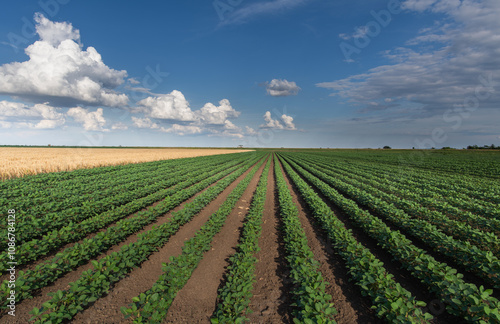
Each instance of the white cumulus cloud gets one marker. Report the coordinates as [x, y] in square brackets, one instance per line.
[286, 122]
[39, 116]
[281, 88]
[217, 115]
[144, 123]
[182, 129]
[270, 122]
[250, 131]
[230, 126]
[91, 120]
[172, 106]
[54, 33]
[61, 72]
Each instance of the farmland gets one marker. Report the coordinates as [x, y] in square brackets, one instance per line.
[267, 236]
[21, 161]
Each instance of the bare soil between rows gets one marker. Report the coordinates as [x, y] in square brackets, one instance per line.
[196, 301]
[24, 307]
[271, 294]
[272, 298]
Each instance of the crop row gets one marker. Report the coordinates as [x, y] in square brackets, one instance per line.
[484, 263]
[487, 214]
[464, 232]
[390, 300]
[67, 260]
[485, 217]
[35, 227]
[30, 186]
[472, 164]
[313, 304]
[55, 197]
[152, 306]
[72, 232]
[234, 296]
[463, 299]
[480, 188]
[96, 282]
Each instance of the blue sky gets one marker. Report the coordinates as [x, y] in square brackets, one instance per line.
[273, 73]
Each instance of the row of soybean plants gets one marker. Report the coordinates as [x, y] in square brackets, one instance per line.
[31, 185]
[311, 302]
[460, 229]
[78, 254]
[96, 282]
[74, 203]
[464, 209]
[31, 224]
[482, 164]
[82, 184]
[482, 262]
[152, 306]
[64, 195]
[474, 195]
[234, 297]
[71, 230]
[390, 300]
[463, 299]
[484, 191]
[486, 217]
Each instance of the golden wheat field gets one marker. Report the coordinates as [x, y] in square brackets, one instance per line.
[20, 161]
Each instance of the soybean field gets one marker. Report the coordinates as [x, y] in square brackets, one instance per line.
[267, 236]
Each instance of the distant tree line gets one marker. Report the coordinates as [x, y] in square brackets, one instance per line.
[484, 147]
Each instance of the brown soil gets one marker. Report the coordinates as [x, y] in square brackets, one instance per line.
[401, 275]
[32, 265]
[24, 307]
[196, 301]
[351, 306]
[271, 293]
[107, 309]
[272, 298]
